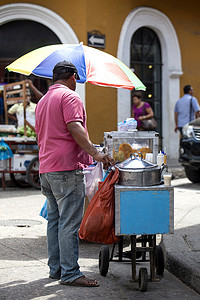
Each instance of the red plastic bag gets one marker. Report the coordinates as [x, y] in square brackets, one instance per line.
[98, 222]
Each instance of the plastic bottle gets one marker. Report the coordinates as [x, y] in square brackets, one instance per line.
[165, 156]
[160, 159]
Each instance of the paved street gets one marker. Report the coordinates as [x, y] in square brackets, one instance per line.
[23, 257]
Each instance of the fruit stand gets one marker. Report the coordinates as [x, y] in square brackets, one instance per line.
[23, 165]
[15, 93]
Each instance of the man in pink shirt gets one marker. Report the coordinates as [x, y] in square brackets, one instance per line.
[64, 150]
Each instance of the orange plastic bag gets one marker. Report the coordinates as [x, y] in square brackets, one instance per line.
[98, 222]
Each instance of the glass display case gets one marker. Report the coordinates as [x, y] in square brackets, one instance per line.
[131, 142]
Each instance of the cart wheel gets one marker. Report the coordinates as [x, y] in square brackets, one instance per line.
[160, 261]
[19, 180]
[143, 279]
[32, 173]
[104, 260]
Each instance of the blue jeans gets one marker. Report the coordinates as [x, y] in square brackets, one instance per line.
[65, 192]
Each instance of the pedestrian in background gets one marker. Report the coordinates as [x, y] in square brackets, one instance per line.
[186, 109]
[64, 150]
[140, 110]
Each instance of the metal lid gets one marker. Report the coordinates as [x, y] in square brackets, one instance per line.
[135, 162]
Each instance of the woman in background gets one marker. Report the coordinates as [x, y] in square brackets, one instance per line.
[140, 110]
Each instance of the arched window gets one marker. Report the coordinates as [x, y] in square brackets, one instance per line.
[146, 60]
[18, 38]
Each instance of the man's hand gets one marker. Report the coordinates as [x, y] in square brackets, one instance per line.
[197, 114]
[176, 128]
[29, 82]
[106, 159]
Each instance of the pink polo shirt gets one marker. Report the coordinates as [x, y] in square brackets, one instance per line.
[58, 150]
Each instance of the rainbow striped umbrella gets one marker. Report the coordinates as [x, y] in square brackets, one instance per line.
[94, 66]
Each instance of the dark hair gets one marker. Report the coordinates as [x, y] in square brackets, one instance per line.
[58, 76]
[138, 95]
[186, 89]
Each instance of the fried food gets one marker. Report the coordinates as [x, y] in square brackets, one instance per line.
[119, 156]
[134, 151]
[144, 151]
[126, 149]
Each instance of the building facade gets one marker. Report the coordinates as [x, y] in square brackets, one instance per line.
[158, 40]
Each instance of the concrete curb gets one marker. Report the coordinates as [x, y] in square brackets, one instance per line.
[184, 269]
[182, 264]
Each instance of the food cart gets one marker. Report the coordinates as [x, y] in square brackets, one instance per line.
[23, 166]
[144, 206]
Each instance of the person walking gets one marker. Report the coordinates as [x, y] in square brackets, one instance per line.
[64, 150]
[186, 109]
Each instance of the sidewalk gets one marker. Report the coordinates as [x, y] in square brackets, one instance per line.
[182, 249]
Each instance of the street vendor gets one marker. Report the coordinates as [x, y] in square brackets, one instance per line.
[64, 150]
[16, 112]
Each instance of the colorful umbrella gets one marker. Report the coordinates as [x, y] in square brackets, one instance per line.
[94, 66]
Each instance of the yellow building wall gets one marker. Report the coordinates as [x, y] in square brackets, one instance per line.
[107, 16]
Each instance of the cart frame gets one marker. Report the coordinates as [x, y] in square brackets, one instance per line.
[29, 181]
[156, 259]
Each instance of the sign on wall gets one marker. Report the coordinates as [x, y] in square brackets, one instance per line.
[96, 39]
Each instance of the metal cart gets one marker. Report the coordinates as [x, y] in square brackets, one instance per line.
[141, 213]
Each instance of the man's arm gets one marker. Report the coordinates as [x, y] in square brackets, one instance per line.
[37, 93]
[176, 121]
[12, 117]
[80, 136]
[149, 115]
[196, 108]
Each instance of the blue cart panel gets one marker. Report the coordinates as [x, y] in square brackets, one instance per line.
[144, 210]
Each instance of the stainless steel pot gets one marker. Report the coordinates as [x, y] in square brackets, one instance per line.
[136, 171]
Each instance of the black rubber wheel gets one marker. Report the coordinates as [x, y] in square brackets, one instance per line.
[160, 261]
[143, 279]
[104, 260]
[32, 173]
[19, 180]
[192, 175]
